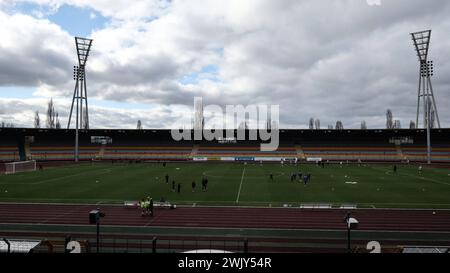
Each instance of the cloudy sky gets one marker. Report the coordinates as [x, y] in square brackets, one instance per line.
[345, 60]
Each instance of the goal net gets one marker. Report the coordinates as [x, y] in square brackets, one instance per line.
[21, 166]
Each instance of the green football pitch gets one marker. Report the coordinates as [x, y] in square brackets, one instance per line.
[231, 184]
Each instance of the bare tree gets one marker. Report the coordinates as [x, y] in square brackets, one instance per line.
[85, 124]
[389, 119]
[57, 122]
[37, 120]
[432, 119]
[330, 127]
[311, 123]
[317, 124]
[363, 125]
[339, 125]
[397, 124]
[431, 113]
[139, 125]
[412, 125]
[51, 114]
[7, 125]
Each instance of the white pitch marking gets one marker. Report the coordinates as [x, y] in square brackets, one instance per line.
[240, 186]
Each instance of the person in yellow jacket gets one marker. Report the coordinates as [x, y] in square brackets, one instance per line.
[142, 205]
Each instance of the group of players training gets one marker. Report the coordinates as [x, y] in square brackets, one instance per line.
[301, 177]
[193, 184]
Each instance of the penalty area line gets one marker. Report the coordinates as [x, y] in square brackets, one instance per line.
[240, 186]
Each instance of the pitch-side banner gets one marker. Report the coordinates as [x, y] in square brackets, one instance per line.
[200, 159]
[272, 159]
[244, 158]
[314, 159]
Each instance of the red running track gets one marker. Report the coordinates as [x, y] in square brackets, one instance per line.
[222, 217]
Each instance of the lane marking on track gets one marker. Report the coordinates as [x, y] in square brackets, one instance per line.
[240, 186]
[231, 229]
[152, 220]
[60, 215]
[205, 203]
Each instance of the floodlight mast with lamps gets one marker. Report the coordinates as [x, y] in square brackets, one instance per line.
[83, 46]
[425, 92]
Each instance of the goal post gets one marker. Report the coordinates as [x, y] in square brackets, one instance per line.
[20, 166]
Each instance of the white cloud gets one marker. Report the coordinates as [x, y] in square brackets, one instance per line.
[374, 2]
[21, 112]
[336, 60]
[33, 52]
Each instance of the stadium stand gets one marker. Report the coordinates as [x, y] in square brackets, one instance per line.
[147, 153]
[336, 153]
[235, 151]
[157, 145]
[9, 152]
[9, 149]
[417, 153]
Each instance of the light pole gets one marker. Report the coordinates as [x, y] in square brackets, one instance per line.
[83, 47]
[351, 223]
[94, 218]
[425, 92]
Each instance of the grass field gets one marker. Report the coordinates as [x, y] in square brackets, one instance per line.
[233, 184]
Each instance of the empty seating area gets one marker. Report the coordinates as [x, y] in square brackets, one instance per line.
[237, 151]
[9, 149]
[46, 153]
[9, 153]
[387, 153]
[333, 145]
[438, 154]
[147, 153]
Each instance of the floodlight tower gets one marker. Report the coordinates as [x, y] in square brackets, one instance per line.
[421, 41]
[425, 92]
[83, 47]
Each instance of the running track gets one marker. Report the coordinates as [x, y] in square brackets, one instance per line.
[222, 217]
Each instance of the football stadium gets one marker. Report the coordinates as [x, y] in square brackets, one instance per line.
[254, 201]
[86, 182]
